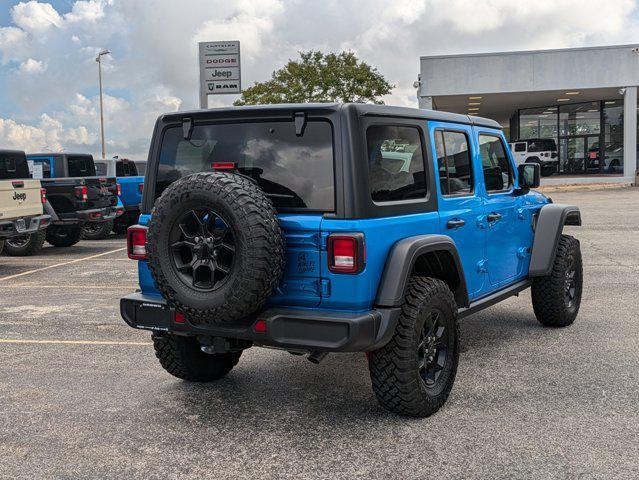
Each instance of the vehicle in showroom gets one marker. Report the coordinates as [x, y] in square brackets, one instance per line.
[542, 151]
[612, 161]
[290, 227]
[131, 184]
[75, 196]
[21, 202]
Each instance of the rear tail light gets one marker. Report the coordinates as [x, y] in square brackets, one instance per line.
[82, 193]
[259, 326]
[136, 242]
[140, 187]
[43, 195]
[94, 215]
[179, 317]
[118, 189]
[223, 166]
[346, 253]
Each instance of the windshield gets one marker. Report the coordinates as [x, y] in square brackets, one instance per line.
[294, 171]
[542, 145]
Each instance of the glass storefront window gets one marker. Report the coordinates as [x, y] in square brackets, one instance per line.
[613, 137]
[538, 123]
[579, 119]
[589, 134]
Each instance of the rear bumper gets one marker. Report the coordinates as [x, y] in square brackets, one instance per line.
[92, 215]
[289, 329]
[23, 226]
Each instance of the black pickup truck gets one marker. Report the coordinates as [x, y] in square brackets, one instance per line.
[75, 195]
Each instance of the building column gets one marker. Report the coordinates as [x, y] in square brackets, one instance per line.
[426, 102]
[630, 132]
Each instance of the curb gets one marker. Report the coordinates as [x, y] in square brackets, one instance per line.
[583, 187]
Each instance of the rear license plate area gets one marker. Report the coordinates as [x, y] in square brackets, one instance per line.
[153, 316]
[21, 225]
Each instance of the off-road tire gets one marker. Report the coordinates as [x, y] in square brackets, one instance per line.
[100, 233]
[64, 235]
[259, 247]
[183, 358]
[394, 368]
[549, 292]
[32, 246]
[119, 227]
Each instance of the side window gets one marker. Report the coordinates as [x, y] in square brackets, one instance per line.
[119, 169]
[395, 163]
[41, 168]
[520, 147]
[498, 173]
[453, 160]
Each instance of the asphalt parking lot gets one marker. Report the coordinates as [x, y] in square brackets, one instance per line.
[82, 396]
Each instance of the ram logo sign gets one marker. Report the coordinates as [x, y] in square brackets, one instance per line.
[220, 71]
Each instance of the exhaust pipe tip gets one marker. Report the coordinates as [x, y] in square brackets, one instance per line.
[316, 357]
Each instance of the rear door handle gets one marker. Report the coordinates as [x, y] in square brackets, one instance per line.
[494, 217]
[456, 223]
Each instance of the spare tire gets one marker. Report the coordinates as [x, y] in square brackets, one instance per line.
[215, 248]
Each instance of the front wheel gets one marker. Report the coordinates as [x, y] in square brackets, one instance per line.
[414, 372]
[557, 296]
[183, 358]
[97, 230]
[25, 245]
[64, 235]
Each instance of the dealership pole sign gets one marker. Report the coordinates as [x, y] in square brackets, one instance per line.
[219, 69]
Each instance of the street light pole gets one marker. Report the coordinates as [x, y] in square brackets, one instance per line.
[99, 60]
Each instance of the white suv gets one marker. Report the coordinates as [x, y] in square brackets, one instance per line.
[537, 150]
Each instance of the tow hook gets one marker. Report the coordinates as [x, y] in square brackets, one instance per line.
[316, 357]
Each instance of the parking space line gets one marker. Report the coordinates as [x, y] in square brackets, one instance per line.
[36, 270]
[106, 287]
[70, 342]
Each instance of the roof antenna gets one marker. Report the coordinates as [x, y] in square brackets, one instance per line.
[300, 123]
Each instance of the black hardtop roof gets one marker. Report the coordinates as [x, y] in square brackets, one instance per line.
[7, 150]
[363, 109]
[59, 154]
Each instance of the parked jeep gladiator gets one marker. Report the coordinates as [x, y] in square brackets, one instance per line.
[341, 228]
[131, 183]
[75, 196]
[21, 200]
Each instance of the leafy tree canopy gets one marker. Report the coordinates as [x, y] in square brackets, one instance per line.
[320, 78]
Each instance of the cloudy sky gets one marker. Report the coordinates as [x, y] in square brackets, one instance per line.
[48, 75]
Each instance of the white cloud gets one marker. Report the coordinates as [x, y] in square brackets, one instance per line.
[33, 16]
[153, 68]
[31, 66]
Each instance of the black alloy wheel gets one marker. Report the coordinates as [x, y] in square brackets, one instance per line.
[432, 349]
[202, 249]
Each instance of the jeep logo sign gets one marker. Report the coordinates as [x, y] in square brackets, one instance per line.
[20, 197]
[219, 69]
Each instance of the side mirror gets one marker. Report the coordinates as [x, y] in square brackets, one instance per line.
[529, 175]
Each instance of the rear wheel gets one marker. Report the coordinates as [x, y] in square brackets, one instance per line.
[64, 235]
[97, 230]
[183, 358]
[25, 245]
[556, 297]
[414, 373]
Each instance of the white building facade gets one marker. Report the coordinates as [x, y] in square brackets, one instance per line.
[582, 99]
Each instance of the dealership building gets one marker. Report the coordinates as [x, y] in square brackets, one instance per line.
[580, 101]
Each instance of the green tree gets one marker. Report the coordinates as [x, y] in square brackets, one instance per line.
[320, 78]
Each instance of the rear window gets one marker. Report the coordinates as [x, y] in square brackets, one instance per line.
[81, 166]
[294, 171]
[125, 169]
[101, 168]
[13, 165]
[542, 145]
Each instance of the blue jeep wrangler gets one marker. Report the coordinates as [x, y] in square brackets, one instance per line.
[341, 228]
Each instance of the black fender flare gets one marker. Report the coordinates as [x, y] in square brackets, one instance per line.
[400, 263]
[548, 228]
